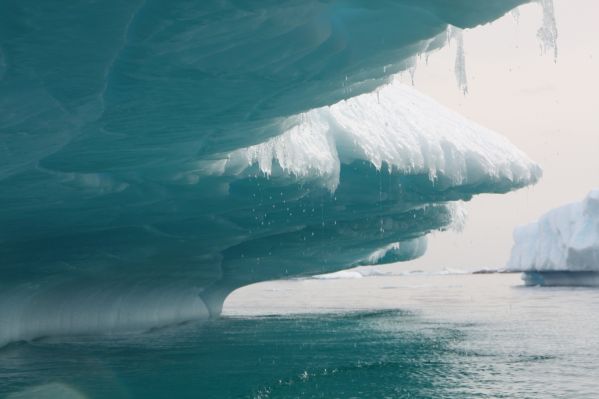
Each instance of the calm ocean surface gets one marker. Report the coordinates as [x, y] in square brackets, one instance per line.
[416, 336]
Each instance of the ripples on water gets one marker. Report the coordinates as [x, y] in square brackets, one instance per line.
[462, 337]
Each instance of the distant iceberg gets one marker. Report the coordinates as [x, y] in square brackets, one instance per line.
[562, 242]
[154, 162]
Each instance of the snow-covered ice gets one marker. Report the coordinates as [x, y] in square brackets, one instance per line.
[564, 239]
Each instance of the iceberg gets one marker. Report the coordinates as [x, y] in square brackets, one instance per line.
[155, 156]
[562, 247]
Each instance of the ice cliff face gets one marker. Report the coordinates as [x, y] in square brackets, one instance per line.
[156, 155]
[564, 239]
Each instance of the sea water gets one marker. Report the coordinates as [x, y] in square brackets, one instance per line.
[386, 336]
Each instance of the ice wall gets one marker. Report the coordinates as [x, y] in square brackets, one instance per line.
[564, 239]
[155, 155]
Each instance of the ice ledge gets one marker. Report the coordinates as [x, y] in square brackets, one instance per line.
[396, 127]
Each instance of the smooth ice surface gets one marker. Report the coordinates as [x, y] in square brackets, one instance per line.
[564, 239]
[30, 311]
[154, 156]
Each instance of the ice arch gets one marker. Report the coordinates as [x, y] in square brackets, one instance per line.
[157, 154]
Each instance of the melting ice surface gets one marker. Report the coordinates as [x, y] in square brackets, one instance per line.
[562, 247]
[154, 156]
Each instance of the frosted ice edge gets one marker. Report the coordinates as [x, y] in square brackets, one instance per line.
[392, 128]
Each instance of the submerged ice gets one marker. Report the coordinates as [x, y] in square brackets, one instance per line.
[155, 161]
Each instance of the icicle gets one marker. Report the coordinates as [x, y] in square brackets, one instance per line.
[459, 215]
[412, 71]
[547, 33]
[516, 15]
[460, 60]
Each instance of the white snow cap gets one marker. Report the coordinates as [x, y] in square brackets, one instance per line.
[397, 127]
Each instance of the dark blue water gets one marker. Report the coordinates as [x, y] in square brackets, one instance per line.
[449, 342]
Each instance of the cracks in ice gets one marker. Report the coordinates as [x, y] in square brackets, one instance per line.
[119, 50]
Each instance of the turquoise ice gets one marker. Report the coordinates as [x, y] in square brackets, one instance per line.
[156, 155]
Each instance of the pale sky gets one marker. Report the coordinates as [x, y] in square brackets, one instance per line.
[549, 110]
